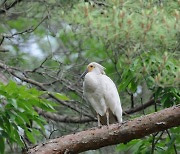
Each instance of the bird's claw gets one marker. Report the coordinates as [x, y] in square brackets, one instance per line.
[99, 126]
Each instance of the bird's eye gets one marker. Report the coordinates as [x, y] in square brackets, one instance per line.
[91, 66]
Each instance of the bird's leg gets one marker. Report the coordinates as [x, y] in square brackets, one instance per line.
[107, 117]
[99, 123]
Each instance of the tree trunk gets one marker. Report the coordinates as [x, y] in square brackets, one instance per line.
[96, 138]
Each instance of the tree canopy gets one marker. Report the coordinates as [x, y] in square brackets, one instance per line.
[45, 45]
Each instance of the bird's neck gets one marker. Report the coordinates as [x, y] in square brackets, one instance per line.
[98, 71]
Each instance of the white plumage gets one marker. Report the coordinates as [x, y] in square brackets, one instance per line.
[101, 92]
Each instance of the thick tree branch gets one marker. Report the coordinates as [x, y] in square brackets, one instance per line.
[117, 133]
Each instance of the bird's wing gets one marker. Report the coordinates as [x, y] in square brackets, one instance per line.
[93, 94]
[111, 96]
[97, 102]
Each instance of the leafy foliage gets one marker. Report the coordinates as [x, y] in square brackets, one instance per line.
[160, 73]
[18, 112]
[164, 144]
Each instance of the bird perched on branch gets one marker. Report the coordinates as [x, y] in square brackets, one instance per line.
[102, 94]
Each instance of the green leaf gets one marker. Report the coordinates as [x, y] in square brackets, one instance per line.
[125, 147]
[19, 111]
[30, 136]
[40, 121]
[125, 82]
[61, 96]
[133, 86]
[13, 102]
[17, 138]
[171, 142]
[2, 145]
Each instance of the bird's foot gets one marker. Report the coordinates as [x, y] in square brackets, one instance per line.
[100, 126]
[107, 126]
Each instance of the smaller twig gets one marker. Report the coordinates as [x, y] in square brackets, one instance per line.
[174, 145]
[29, 30]
[35, 69]
[25, 144]
[2, 40]
[132, 101]
[159, 137]
[155, 105]
[7, 7]
[153, 145]
[53, 132]
[142, 105]
[153, 142]
[99, 3]
[3, 3]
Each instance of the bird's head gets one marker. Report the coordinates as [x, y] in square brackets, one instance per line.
[94, 67]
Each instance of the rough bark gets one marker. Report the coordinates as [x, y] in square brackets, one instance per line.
[117, 133]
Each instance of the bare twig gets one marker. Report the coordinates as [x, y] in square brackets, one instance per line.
[67, 119]
[7, 7]
[175, 149]
[29, 30]
[140, 107]
[40, 85]
[153, 143]
[55, 117]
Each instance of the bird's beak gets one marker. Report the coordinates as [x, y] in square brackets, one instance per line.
[82, 76]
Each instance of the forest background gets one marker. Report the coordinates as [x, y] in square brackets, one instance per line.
[45, 45]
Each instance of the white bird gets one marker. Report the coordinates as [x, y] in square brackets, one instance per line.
[102, 94]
